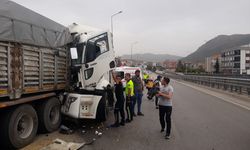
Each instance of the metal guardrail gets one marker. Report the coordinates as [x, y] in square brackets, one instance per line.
[236, 85]
[221, 75]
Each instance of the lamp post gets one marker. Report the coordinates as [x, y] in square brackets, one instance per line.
[132, 44]
[112, 20]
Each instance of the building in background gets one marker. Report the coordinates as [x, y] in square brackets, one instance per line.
[210, 63]
[236, 60]
[170, 65]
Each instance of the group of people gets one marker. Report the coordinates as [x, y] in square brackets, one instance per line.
[160, 89]
[133, 95]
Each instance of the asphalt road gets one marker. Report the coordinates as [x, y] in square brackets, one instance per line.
[199, 122]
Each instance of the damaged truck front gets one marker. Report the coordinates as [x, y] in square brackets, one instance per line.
[36, 70]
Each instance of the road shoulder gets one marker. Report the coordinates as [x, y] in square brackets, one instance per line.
[233, 98]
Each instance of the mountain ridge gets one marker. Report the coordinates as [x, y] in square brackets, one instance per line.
[150, 57]
[217, 45]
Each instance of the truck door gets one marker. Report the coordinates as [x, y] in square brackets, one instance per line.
[98, 60]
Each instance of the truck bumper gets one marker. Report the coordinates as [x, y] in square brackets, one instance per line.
[80, 106]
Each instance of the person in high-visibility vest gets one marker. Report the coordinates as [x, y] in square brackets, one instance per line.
[145, 78]
[130, 95]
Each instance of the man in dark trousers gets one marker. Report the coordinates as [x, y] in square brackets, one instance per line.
[119, 105]
[129, 91]
[138, 85]
[165, 105]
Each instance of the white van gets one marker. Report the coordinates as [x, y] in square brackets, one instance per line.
[121, 71]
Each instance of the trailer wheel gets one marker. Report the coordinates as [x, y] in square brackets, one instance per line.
[19, 127]
[49, 115]
[101, 114]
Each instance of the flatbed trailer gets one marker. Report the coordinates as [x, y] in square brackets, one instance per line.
[34, 62]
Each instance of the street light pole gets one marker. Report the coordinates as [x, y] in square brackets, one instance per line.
[132, 44]
[112, 20]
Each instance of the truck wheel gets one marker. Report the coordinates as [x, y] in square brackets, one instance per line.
[49, 115]
[101, 114]
[19, 127]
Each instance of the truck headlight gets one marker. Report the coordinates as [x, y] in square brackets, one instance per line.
[68, 103]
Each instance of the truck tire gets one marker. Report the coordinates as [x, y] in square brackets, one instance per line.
[18, 127]
[49, 115]
[101, 114]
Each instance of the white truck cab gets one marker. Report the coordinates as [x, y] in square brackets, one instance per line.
[92, 59]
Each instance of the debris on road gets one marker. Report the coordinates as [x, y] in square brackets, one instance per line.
[99, 134]
[59, 144]
[62, 145]
[83, 131]
[65, 130]
[96, 132]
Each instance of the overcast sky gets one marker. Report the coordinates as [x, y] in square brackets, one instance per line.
[175, 27]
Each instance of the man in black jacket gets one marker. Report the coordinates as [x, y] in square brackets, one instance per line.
[119, 105]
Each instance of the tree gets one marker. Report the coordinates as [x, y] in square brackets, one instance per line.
[200, 69]
[180, 67]
[160, 68]
[149, 67]
[217, 66]
[154, 69]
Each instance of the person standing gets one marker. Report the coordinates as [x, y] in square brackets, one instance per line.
[129, 91]
[165, 105]
[145, 77]
[149, 85]
[151, 90]
[119, 105]
[138, 92]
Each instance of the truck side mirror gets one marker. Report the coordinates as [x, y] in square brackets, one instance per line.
[73, 53]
